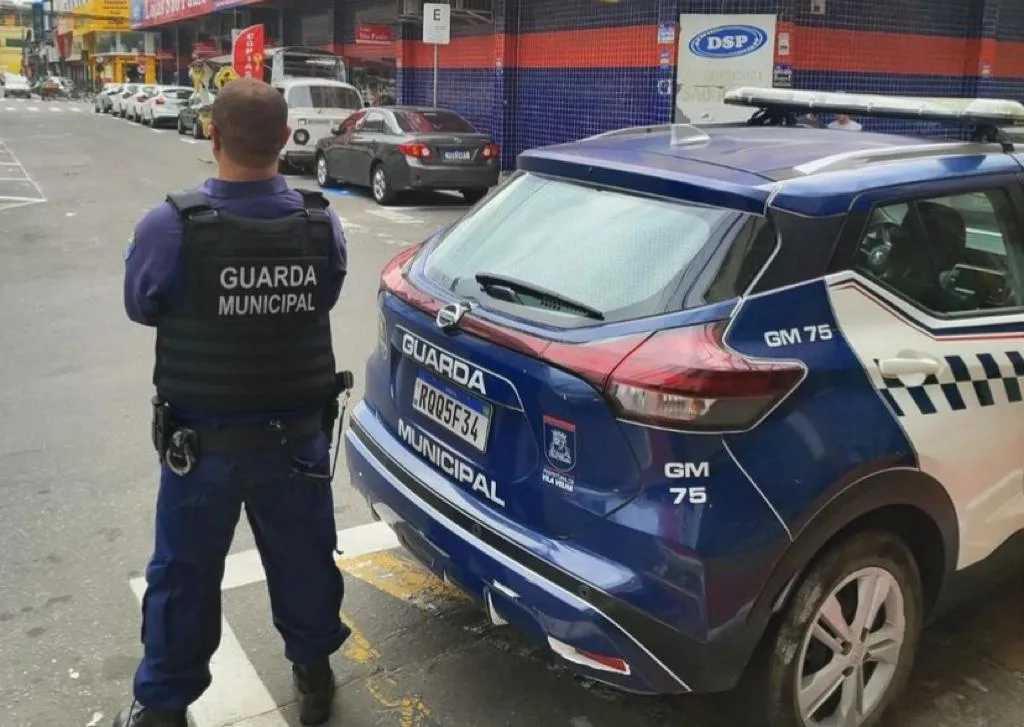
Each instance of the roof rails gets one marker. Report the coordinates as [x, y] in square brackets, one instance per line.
[779, 107]
[680, 133]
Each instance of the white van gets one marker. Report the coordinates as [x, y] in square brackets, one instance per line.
[314, 106]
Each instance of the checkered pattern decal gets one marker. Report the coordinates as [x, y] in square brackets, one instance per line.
[967, 382]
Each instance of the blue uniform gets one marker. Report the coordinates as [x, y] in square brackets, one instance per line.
[289, 508]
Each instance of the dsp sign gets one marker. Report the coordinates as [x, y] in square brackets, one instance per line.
[728, 41]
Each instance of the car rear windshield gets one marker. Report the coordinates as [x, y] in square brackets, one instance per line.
[179, 93]
[432, 122]
[617, 254]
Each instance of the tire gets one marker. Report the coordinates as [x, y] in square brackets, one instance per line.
[181, 127]
[197, 130]
[472, 196]
[323, 179]
[792, 650]
[380, 186]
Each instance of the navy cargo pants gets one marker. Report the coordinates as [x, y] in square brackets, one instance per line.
[291, 513]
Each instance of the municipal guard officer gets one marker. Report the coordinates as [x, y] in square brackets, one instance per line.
[238, 278]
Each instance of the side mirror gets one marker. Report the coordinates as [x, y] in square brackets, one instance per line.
[366, 104]
[335, 130]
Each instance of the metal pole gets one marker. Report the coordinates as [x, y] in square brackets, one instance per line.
[435, 75]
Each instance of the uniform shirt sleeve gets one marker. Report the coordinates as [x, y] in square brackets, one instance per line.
[341, 260]
[151, 263]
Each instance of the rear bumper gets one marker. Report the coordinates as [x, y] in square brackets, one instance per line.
[517, 581]
[418, 176]
[299, 157]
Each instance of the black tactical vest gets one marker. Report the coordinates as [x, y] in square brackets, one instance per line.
[251, 330]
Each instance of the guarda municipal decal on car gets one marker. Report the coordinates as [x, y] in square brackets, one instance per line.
[444, 363]
[448, 462]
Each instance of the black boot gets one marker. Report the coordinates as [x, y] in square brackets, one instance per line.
[315, 686]
[139, 716]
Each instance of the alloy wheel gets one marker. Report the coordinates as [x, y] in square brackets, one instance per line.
[851, 651]
[321, 170]
[380, 184]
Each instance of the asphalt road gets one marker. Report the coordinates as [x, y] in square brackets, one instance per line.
[78, 482]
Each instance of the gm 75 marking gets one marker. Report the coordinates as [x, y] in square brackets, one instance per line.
[792, 336]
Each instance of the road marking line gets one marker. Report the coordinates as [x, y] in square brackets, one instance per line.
[405, 580]
[357, 647]
[56, 109]
[9, 198]
[412, 711]
[396, 217]
[4, 148]
[238, 692]
[237, 696]
[31, 108]
[245, 568]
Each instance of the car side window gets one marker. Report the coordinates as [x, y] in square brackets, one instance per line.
[952, 254]
[374, 123]
[299, 97]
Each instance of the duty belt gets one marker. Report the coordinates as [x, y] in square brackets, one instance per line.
[180, 444]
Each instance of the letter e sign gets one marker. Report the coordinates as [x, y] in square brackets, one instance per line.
[437, 23]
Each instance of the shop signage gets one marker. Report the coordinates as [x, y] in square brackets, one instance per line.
[373, 33]
[148, 13]
[247, 52]
[719, 52]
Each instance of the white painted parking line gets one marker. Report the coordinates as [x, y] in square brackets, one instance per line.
[4, 149]
[237, 692]
[238, 696]
[396, 217]
[31, 108]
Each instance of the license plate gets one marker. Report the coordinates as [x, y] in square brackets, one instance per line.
[467, 418]
[457, 156]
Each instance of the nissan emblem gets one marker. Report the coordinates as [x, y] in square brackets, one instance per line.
[451, 315]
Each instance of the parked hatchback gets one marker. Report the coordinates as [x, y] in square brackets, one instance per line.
[720, 408]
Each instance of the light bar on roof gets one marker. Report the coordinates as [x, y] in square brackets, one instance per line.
[987, 111]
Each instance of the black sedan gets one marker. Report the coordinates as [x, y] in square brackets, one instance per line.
[393, 149]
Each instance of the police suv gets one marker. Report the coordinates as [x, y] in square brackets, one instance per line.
[732, 407]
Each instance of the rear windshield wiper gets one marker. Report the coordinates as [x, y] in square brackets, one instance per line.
[492, 281]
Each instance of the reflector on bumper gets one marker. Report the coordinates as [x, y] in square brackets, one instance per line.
[599, 662]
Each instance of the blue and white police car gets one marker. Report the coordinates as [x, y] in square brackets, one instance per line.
[725, 408]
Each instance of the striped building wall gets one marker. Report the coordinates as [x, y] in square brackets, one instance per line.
[549, 71]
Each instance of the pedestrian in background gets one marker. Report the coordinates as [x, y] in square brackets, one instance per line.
[238, 278]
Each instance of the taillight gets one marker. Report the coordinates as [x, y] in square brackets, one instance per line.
[688, 378]
[492, 151]
[681, 378]
[419, 151]
[392, 276]
[159, 101]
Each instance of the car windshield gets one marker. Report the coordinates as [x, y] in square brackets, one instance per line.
[433, 122]
[616, 253]
[179, 93]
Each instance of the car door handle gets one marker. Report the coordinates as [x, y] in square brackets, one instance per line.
[909, 363]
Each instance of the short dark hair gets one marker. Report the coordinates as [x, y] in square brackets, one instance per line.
[251, 117]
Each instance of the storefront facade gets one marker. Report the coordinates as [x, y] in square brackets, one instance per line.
[535, 72]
